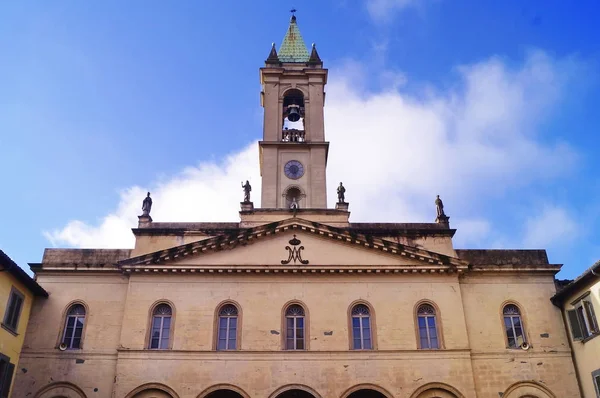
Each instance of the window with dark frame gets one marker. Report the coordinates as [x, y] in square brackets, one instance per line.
[294, 332]
[228, 324]
[13, 310]
[582, 319]
[6, 375]
[73, 330]
[596, 379]
[161, 327]
[361, 328]
[513, 324]
[428, 337]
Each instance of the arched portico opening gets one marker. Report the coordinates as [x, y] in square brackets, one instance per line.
[224, 393]
[366, 393]
[60, 390]
[295, 391]
[436, 390]
[152, 390]
[152, 393]
[528, 388]
[295, 394]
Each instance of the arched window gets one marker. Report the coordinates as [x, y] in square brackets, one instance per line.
[294, 327]
[361, 327]
[228, 328]
[428, 334]
[161, 327]
[515, 333]
[73, 330]
[293, 196]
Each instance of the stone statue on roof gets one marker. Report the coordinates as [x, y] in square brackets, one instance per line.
[341, 191]
[440, 207]
[147, 205]
[247, 190]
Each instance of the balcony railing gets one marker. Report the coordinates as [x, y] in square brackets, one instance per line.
[292, 135]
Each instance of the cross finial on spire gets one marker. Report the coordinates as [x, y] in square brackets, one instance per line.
[293, 11]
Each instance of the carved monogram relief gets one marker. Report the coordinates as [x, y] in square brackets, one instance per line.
[294, 252]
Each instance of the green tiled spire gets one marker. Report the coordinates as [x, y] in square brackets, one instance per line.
[293, 48]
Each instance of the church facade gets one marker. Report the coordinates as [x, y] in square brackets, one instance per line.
[294, 300]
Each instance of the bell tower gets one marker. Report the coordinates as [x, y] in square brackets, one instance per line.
[293, 152]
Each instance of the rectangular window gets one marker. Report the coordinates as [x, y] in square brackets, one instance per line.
[582, 319]
[295, 333]
[227, 333]
[361, 332]
[428, 332]
[13, 310]
[161, 327]
[6, 374]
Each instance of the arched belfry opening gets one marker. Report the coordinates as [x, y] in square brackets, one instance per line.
[293, 113]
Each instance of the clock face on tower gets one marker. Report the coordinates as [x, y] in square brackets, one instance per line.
[293, 169]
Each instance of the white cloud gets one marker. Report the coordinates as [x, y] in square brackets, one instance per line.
[382, 10]
[553, 225]
[393, 150]
[396, 150]
[207, 192]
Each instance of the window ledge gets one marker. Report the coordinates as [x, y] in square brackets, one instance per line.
[590, 338]
[9, 329]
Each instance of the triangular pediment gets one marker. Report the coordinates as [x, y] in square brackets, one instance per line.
[296, 244]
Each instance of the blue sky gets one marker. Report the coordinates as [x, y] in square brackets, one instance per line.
[493, 105]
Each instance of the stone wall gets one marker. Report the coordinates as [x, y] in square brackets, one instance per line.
[475, 360]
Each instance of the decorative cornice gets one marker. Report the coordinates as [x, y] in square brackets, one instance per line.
[165, 260]
[547, 268]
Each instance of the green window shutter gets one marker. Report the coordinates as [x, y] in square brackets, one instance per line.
[7, 380]
[576, 331]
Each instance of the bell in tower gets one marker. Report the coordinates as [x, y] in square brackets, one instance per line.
[293, 152]
[293, 116]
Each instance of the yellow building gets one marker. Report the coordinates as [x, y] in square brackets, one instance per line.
[580, 302]
[17, 293]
